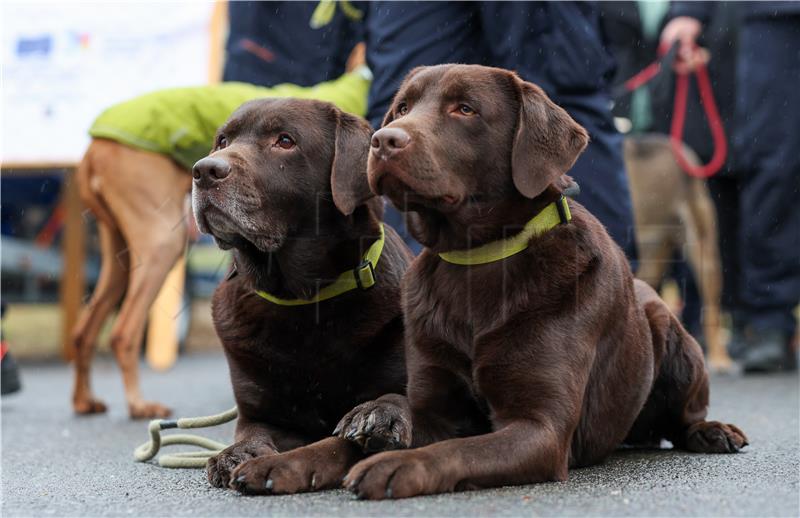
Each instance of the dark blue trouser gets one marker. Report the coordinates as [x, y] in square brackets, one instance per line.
[766, 154]
[401, 36]
[600, 170]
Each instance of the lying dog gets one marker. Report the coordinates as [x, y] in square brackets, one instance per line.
[530, 347]
[310, 317]
[134, 178]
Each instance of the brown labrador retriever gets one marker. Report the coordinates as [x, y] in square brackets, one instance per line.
[285, 187]
[519, 368]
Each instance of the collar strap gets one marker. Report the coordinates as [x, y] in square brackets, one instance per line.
[551, 216]
[361, 277]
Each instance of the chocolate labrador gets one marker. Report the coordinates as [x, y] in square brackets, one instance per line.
[310, 316]
[530, 347]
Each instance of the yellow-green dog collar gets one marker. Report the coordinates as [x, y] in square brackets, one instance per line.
[361, 277]
[551, 216]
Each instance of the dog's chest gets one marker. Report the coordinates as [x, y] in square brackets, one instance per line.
[459, 304]
[295, 381]
[304, 368]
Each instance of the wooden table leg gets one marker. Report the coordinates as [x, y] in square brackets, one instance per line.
[162, 327]
[217, 37]
[73, 280]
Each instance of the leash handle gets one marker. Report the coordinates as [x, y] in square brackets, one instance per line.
[714, 124]
[193, 459]
[667, 56]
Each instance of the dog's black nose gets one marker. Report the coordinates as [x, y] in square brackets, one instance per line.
[210, 170]
[388, 141]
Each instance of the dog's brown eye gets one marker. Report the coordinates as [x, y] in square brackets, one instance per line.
[402, 109]
[464, 109]
[285, 141]
[222, 142]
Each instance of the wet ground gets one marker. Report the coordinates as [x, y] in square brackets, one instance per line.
[56, 464]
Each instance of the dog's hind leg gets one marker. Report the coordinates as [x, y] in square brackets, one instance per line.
[128, 332]
[146, 194]
[703, 254]
[678, 403]
[107, 293]
[688, 402]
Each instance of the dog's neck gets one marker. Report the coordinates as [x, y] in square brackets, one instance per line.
[310, 261]
[477, 224]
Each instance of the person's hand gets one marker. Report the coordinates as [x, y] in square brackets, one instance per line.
[686, 30]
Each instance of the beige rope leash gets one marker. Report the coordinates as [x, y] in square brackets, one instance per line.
[189, 459]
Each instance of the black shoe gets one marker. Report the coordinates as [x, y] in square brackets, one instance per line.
[765, 352]
[9, 374]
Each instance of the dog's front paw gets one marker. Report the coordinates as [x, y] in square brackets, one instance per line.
[395, 474]
[219, 467]
[291, 472]
[376, 426]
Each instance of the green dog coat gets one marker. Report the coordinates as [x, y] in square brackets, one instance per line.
[181, 122]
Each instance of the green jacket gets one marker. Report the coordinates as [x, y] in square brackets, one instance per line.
[181, 122]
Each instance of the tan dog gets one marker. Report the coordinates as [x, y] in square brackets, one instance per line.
[673, 211]
[139, 200]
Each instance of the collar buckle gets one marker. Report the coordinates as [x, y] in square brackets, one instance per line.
[365, 275]
[563, 210]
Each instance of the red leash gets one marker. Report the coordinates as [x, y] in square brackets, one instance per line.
[679, 112]
[714, 124]
[644, 76]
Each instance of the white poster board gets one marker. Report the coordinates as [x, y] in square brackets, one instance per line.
[64, 62]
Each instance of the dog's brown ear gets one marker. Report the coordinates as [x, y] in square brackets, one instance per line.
[547, 143]
[349, 170]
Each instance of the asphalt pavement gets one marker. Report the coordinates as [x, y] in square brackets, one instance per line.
[57, 464]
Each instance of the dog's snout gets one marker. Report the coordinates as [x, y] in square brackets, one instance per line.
[209, 170]
[388, 141]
